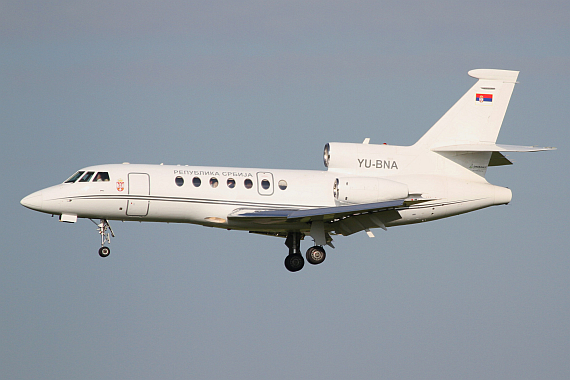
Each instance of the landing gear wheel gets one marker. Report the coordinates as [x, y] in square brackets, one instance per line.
[294, 262]
[104, 251]
[316, 255]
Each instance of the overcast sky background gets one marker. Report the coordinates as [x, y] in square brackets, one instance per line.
[266, 84]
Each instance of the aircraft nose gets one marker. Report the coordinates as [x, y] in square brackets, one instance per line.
[33, 201]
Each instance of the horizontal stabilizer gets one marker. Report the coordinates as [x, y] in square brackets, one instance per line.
[492, 74]
[490, 148]
[320, 213]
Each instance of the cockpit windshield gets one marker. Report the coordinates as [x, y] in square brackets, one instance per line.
[87, 177]
[100, 177]
[74, 177]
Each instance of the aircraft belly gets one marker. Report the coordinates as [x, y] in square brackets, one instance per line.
[182, 212]
[97, 208]
[137, 207]
[438, 211]
[451, 197]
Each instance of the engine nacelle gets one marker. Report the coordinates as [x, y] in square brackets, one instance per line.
[380, 158]
[368, 190]
[345, 154]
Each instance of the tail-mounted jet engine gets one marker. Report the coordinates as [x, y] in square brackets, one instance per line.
[361, 189]
[368, 190]
[345, 154]
[362, 156]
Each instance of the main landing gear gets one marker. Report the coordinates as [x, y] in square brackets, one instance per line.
[316, 255]
[104, 229]
[294, 261]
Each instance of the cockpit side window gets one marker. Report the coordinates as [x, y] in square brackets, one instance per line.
[87, 177]
[102, 177]
[74, 177]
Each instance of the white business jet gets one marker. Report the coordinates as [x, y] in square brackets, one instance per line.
[365, 185]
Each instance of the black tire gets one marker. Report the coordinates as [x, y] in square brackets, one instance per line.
[316, 255]
[294, 262]
[104, 251]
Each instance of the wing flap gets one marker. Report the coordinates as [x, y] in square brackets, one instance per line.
[266, 216]
[342, 211]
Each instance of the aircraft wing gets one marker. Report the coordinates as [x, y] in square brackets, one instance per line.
[271, 216]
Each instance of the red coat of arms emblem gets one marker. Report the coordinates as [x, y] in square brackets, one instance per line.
[120, 185]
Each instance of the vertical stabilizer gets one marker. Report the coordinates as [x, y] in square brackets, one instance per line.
[477, 117]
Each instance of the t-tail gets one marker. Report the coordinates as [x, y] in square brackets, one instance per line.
[467, 133]
[462, 144]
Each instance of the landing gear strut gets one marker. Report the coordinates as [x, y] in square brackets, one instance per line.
[294, 261]
[104, 229]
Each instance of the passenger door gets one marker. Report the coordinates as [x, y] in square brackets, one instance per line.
[139, 190]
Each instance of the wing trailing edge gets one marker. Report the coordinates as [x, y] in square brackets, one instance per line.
[306, 215]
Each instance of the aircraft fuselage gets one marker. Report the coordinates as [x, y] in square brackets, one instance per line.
[207, 195]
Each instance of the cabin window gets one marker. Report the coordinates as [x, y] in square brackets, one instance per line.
[265, 184]
[102, 177]
[214, 182]
[74, 177]
[179, 181]
[248, 183]
[196, 181]
[87, 177]
[282, 184]
[231, 183]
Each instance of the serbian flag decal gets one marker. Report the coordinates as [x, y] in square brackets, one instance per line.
[483, 98]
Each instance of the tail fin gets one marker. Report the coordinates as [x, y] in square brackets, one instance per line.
[461, 144]
[467, 133]
[477, 117]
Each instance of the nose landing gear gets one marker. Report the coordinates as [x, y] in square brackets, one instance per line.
[104, 251]
[104, 229]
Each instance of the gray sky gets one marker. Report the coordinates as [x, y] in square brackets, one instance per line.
[267, 84]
